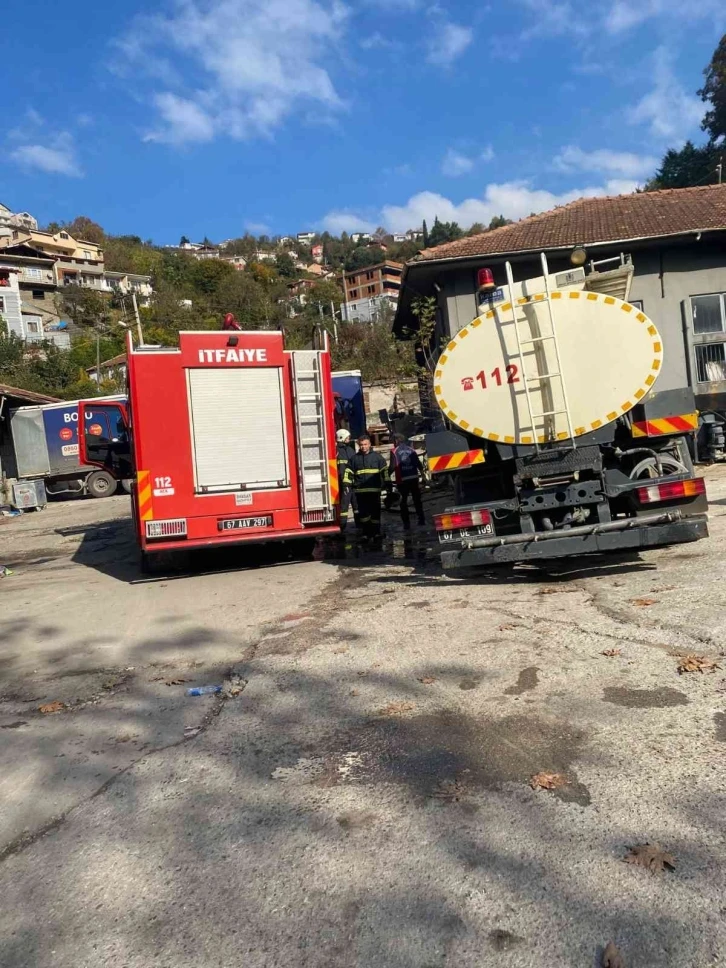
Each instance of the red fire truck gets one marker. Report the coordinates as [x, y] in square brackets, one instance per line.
[230, 438]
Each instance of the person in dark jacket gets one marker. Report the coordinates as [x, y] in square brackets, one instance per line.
[405, 471]
[368, 474]
[346, 452]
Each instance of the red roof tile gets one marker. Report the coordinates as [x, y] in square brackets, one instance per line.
[591, 220]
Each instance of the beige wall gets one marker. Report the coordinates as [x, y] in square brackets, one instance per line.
[376, 396]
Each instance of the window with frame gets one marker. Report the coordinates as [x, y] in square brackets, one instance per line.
[32, 272]
[32, 325]
[638, 303]
[2, 304]
[39, 294]
[708, 322]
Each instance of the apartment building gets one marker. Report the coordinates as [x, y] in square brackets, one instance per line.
[16, 220]
[367, 290]
[126, 283]
[32, 273]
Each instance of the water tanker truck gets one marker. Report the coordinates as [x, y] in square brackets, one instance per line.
[557, 440]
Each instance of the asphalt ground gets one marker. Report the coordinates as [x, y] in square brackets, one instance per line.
[366, 799]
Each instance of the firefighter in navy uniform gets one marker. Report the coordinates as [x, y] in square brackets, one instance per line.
[345, 453]
[405, 470]
[368, 474]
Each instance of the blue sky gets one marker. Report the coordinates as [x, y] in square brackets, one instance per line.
[212, 117]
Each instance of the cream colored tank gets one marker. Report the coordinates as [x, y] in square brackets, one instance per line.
[610, 355]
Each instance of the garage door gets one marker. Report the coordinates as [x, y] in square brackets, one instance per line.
[238, 428]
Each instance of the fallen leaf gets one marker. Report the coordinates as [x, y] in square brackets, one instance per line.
[426, 680]
[696, 663]
[611, 957]
[547, 781]
[175, 682]
[651, 856]
[396, 709]
[52, 707]
[340, 651]
[643, 602]
[611, 653]
[354, 692]
[507, 628]
[548, 591]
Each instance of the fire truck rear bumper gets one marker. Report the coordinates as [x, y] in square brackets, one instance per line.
[236, 538]
[670, 529]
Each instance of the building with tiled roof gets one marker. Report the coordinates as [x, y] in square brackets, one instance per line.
[676, 240]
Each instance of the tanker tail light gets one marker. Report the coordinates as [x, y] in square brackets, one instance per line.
[671, 491]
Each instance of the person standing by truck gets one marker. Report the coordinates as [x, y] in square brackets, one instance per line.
[368, 474]
[345, 453]
[405, 470]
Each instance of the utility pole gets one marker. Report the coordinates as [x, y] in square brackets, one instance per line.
[719, 168]
[138, 319]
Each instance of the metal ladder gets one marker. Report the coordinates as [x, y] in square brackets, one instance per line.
[310, 426]
[543, 379]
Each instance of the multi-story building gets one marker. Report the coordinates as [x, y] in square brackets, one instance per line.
[367, 290]
[305, 238]
[114, 370]
[76, 261]
[16, 220]
[238, 261]
[317, 252]
[126, 283]
[36, 317]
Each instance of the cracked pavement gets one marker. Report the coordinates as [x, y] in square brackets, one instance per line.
[365, 800]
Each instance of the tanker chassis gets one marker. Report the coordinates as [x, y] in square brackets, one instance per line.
[557, 443]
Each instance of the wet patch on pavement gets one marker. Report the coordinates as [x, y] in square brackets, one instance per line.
[644, 698]
[526, 681]
[468, 684]
[719, 721]
[448, 756]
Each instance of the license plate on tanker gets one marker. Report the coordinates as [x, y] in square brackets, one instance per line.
[241, 524]
[472, 532]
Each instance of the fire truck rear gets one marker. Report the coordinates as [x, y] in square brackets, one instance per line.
[558, 443]
[230, 438]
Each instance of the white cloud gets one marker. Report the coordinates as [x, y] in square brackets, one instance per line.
[183, 121]
[344, 220]
[622, 164]
[623, 15]
[668, 111]
[514, 200]
[455, 163]
[569, 18]
[52, 154]
[446, 42]
[257, 228]
[240, 67]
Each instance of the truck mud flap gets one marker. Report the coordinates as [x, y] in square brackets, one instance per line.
[564, 546]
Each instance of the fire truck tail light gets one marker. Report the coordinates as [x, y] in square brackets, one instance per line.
[321, 516]
[170, 528]
[461, 519]
[671, 492]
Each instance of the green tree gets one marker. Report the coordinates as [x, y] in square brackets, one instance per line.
[82, 227]
[713, 93]
[477, 229]
[85, 307]
[442, 232]
[498, 222]
[425, 233]
[364, 255]
[286, 266]
[684, 167]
